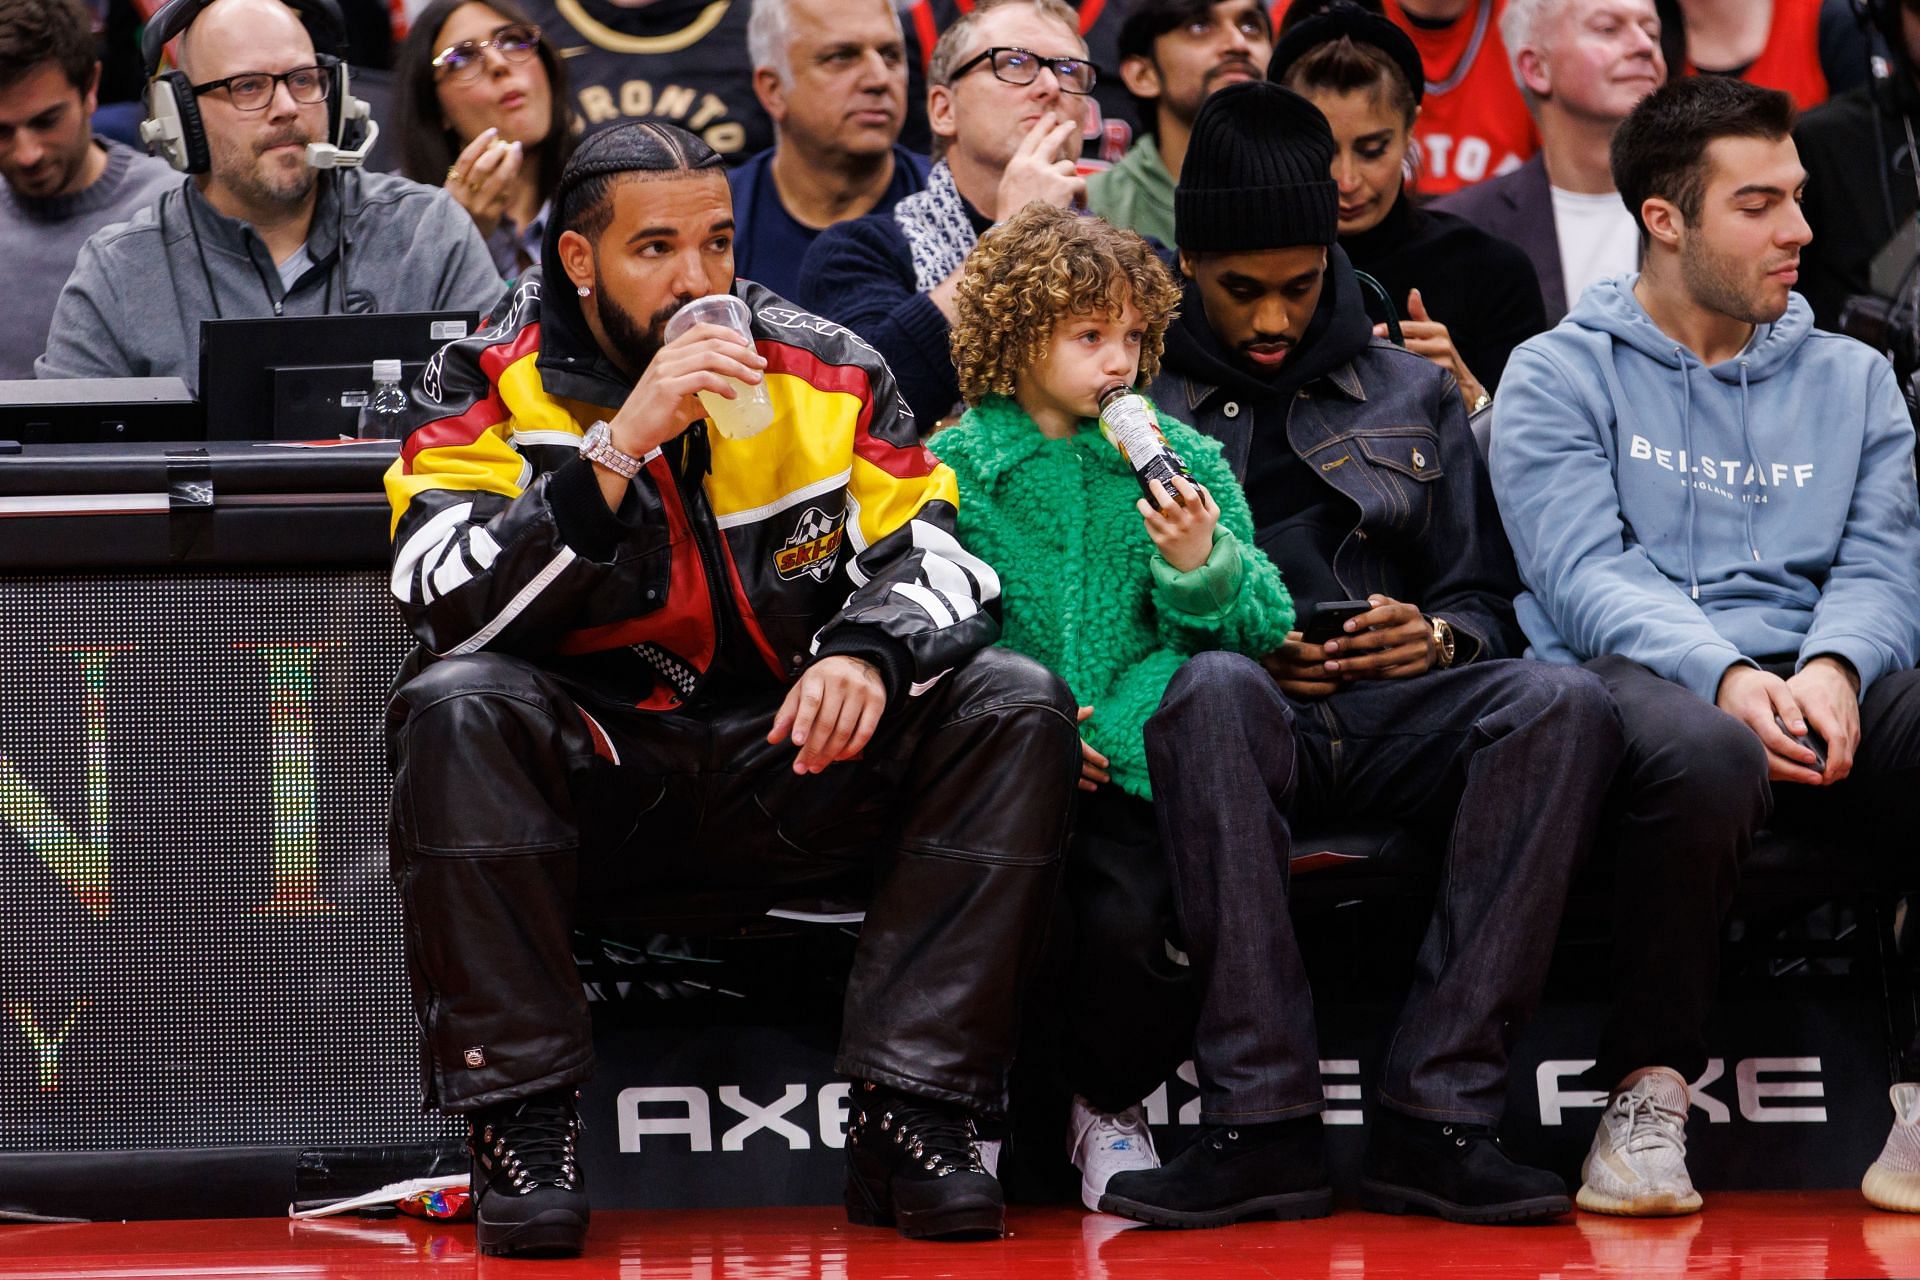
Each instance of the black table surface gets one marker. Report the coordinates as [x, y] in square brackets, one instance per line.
[104, 506]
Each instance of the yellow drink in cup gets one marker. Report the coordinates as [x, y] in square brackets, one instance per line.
[750, 411]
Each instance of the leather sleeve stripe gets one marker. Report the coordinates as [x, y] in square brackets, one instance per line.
[516, 606]
[420, 546]
[951, 568]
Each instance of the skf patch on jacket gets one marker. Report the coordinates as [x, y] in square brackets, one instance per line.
[814, 545]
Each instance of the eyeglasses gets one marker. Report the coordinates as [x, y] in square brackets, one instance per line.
[1022, 66]
[515, 42]
[253, 90]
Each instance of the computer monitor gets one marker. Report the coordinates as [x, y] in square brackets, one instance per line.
[306, 377]
[98, 410]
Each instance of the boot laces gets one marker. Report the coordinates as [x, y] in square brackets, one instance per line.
[940, 1140]
[533, 1144]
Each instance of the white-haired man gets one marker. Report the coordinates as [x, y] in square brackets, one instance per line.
[1583, 66]
[832, 76]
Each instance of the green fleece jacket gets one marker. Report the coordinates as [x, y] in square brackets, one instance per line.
[1084, 590]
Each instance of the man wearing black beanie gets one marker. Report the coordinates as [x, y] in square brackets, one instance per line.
[1365, 486]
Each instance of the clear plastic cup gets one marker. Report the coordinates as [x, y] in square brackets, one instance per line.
[750, 411]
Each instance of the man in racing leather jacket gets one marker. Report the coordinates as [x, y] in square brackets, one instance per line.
[628, 624]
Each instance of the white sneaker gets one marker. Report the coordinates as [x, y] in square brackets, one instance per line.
[1101, 1144]
[1637, 1167]
[1893, 1181]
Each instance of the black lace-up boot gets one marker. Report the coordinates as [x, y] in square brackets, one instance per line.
[528, 1193]
[1231, 1173]
[1454, 1171]
[912, 1163]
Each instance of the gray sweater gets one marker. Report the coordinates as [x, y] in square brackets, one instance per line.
[39, 239]
[134, 304]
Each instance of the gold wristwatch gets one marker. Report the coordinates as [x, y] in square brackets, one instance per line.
[1442, 642]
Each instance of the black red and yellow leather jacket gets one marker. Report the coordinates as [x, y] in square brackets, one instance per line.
[832, 531]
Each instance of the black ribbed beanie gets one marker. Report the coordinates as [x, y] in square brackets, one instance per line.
[1256, 174]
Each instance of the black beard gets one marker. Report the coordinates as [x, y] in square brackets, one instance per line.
[634, 347]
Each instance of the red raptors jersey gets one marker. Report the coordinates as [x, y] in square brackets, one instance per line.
[1473, 122]
[1791, 59]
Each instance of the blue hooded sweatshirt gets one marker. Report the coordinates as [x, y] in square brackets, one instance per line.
[1691, 517]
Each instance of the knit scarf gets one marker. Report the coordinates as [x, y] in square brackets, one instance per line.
[939, 233]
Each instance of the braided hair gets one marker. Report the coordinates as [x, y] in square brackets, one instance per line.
[639, 149]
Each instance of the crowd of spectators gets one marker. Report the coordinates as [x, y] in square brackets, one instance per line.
[1523, 499]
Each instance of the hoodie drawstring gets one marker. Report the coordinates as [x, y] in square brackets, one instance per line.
[1686, 442]
[1753, 455]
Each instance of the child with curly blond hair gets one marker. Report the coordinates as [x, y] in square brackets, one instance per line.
[1114, 592]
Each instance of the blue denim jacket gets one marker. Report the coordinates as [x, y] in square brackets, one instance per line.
[1389, 431]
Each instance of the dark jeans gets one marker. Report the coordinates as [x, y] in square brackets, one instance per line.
[1692, 793]
[1115, 1015]
[507, 798]
[1513, 757]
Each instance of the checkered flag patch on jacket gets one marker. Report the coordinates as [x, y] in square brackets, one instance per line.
[814, 523]
[676, 673]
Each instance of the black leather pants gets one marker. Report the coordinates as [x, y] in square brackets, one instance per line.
[516, 794]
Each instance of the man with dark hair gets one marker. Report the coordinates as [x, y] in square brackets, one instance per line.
[1713, 508]
[832, 76]
[656, 655]
[260, 232]
[62, 183]
[1173, 53]
[1365, 486]
[1007, 92]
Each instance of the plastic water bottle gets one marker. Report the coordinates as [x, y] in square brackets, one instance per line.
[380, 420]
[1128, 421]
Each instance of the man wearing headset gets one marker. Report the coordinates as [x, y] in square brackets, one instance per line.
[252, 113]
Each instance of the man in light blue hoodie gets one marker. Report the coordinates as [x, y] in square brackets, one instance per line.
[1712, 505]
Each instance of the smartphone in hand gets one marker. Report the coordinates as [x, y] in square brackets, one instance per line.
[1329, 617]
[1812, 739]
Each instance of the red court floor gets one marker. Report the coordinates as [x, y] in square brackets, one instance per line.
[1752, 1236]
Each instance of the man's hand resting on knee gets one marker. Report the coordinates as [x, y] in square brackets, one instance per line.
[1828, 691]
[831, 712]
[1821, 696]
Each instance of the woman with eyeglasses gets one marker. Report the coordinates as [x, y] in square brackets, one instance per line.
[482, 110]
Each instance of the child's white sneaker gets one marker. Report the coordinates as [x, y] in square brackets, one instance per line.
[1102, 1143]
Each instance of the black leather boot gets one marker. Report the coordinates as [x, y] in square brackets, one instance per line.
[1231, 1173]
[529, 1196]
[911, 1163]
[1452, 1171]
